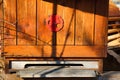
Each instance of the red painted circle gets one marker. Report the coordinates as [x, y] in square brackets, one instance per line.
[55, 23]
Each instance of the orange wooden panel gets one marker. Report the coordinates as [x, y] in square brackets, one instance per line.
[9, 22]
[1, 25]
[26, 16]
[101, 22]
[44, 10]
[1, 13]
[61, 51]
[81, 25]
[47, 8]
[66, 9]
[85, 22]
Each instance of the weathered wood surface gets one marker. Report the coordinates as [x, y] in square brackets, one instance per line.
[84, 33]
[9, 22]
[114, 34]
[114, 43]
[1, 26]
[99, 20]
[26, 25]
[110, 31]
[114, 25]
[113, 37]
[56, 72]
[69, 51]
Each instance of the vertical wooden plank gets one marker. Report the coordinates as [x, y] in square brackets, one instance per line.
[66, 9]
[1, 25]
[44, 10]
[85, 22]
[101, 22]
[9, 22]
[79, 23]
[26, 15]
[88, 22]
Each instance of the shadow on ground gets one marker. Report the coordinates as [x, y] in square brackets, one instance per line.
[110, 63]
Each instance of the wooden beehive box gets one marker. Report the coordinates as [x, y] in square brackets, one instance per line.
[28, 28]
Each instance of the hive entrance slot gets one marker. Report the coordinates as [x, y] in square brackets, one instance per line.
[87, 64]
[64, 65]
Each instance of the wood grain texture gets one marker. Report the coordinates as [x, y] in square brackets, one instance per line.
[26, 28]
[66, 9]
[88, 24]
[44, 10]
[46, 51]
[85, 22]
[1, 14]
[1, 26]
[9, 22]
[84, 33]
[101, 22]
